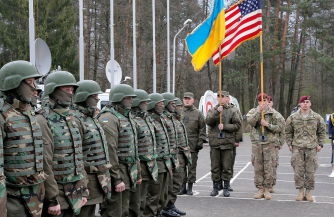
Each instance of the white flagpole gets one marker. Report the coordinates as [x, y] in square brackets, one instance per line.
[81, 43]
[154, 55]
[31, 32]
[112, 54]
[168, 47]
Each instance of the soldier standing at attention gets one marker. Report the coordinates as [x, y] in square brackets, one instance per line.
[194, 122]
[21, 144]
[305, 135]
[66, 184]
[263, 144]
[238, 137]
[222, 140]
[146, 150]
[94, 146]
[117, 121]
[156, 194]
[278, 146]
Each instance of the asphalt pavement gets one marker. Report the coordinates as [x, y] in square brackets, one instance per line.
[241, 202]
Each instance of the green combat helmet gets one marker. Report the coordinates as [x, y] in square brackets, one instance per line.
[59, 79]
[168, 97]
[14, 72]
[178, 102]
[86, 88]
[155, 98]
[141, 97]
[119, 91]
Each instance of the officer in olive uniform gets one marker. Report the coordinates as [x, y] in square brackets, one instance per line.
[222, 141]
[66, 184]
[94, 146]
[120, 129]
[146, 150]
[21, 144]
[194, 122]
[156, 193]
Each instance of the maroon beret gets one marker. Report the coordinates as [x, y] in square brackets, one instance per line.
[270, 98]
[265, 96]
[304, 98]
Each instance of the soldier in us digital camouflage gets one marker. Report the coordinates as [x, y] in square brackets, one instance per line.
[120, 129]
[263, 145]
[278, 146]
[21, 144]
[147, 152]
[305, 135]
[156, 193]
[194, 122]
[94, 146]
[66, 185]
[222, 140]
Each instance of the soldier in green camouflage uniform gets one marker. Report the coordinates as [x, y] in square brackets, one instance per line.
[222, 141]
[66, 185]
[146, 151]
[263, 150]
[278, 146]
[156, 193]
[94, 145]
[117, 121]
[21, 152]
[194, 122]
[305, 135]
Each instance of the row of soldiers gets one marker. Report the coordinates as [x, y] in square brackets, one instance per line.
[304, 132]
[67, 156]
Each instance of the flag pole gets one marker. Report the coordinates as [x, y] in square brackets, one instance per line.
[261, 57]
[220, 83]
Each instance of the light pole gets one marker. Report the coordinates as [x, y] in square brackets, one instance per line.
[184, 26]
[81, 44]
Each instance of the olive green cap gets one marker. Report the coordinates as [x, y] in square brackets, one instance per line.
[59, 79]
[223, 93]
[11, 74]
[119, 91]
[86, 88]
[189, 95]
[168, 97]
[178, 102]
[155, 98]
[142, 96]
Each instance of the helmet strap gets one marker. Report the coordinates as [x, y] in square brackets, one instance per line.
[25, 91]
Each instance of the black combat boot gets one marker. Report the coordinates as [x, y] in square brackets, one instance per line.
[214, 192]
[159, 214]
[225, 189]
[229, 187]
[190, 189]
[169, 212]
[183, 189]
[173, 207]
[220, 185]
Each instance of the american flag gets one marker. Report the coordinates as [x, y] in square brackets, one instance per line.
[243, 22]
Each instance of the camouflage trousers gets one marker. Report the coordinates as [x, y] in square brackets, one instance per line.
[277, 163]
[305, 163]
[175, 183]
[190, 170]
[264, 162]
[221, 164]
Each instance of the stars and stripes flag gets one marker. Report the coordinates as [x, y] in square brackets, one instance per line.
[243, 22]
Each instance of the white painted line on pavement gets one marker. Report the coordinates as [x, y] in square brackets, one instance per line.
[231, 181]
[203, 177]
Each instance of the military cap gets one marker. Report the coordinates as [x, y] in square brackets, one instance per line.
[223, 93]
[189, 95]
[270, 99]
[304, 98]
[265, 96]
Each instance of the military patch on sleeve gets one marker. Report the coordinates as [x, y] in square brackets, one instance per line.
[251, 111]
[288, 120]
[105, 120]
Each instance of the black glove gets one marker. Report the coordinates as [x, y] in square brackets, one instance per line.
[198, 147]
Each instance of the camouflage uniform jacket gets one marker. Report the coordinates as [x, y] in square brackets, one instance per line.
[306, 132]
[112, 127]
[281, 136]
[194, 122]
[238, 134]
[231, 122]
[275, 121]
[53, 190]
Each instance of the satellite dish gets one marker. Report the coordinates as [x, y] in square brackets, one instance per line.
[42, 57]
[117, 72]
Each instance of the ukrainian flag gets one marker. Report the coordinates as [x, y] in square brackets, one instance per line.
[204, 40]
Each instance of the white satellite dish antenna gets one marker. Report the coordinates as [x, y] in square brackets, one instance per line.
[117, 72]
[42, 57]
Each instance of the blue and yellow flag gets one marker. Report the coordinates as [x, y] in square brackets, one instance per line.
[204, 40]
